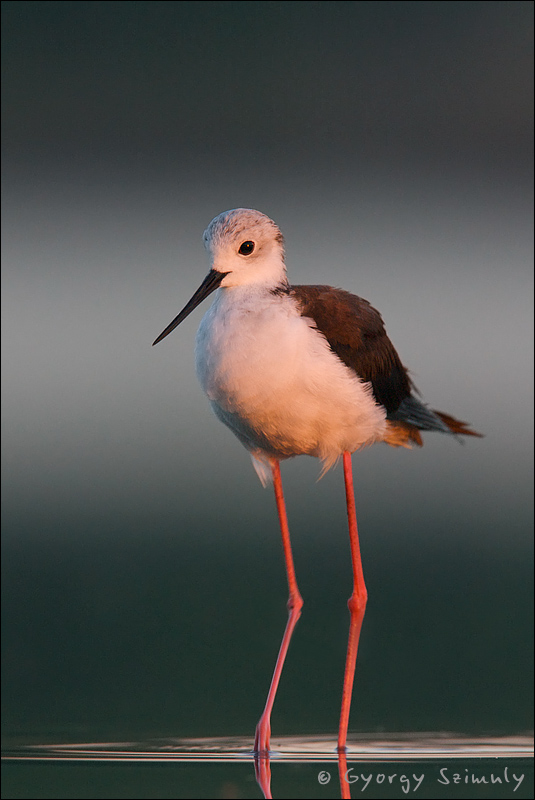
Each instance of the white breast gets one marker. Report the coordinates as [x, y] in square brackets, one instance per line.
[273, 379]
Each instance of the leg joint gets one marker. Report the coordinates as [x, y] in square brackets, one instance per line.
[295, 602]
[357, 602]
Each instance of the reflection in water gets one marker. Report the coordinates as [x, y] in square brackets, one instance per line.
[362, 749]
[263, 774]
[342, 772]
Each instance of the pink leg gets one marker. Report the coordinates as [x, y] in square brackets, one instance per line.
[357, 607]
[295, 603]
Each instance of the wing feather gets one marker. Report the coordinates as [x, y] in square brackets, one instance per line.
[356, 333]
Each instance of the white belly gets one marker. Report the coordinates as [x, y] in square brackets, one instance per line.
[274, 380]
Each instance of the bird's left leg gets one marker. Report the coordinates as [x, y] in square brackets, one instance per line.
[295, 603]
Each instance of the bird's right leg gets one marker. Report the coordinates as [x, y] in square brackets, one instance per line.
[295, 604]
[357, 607]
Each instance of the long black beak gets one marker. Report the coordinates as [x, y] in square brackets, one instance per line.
[209, 285]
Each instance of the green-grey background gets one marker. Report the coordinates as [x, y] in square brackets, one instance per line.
[144, 589]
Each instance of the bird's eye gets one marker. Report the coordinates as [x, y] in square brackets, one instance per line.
[246, 248]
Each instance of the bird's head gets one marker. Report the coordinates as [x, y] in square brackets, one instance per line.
[247, 246]
[247, 249]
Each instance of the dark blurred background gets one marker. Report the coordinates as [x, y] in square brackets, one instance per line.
[144, 587]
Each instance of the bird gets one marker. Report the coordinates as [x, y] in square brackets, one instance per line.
[300, 370]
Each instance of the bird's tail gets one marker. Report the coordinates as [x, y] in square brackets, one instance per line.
[413, 416]
[456, 426]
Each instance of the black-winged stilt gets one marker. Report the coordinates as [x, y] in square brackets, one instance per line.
[299, 370]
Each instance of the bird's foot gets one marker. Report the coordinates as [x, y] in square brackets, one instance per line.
[262, 736]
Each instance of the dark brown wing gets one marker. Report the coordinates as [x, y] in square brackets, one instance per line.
[356, 333]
